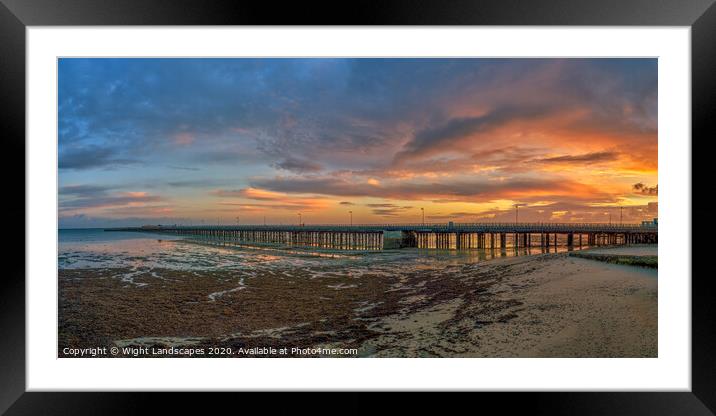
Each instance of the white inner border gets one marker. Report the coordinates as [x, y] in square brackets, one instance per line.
[670, 371]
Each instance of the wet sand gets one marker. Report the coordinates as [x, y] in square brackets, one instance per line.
[561, 307]
[640, 255]
[633, 250]
[536, 306]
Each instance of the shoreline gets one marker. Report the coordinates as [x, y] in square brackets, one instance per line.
[642, 256]
[549, 305]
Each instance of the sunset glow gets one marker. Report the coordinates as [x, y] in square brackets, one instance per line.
[149, 141]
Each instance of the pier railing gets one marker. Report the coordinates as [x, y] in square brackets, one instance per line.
[505, 227]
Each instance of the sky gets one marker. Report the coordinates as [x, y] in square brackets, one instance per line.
[226, 141]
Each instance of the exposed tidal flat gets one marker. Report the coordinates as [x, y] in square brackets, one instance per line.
[642, 255]
[173, 295]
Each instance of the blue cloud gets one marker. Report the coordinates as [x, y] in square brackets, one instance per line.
[117, 111]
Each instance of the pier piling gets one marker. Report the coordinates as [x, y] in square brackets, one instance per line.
[434, 236]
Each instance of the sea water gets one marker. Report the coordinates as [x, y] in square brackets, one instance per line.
[145, 251]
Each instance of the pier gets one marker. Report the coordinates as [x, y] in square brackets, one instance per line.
[444, 236]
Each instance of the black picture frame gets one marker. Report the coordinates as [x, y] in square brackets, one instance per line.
[16, 15]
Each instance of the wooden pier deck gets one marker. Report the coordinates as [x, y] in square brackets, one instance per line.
[373, 237]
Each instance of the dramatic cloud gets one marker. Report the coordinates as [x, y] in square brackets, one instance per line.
[269, 200]
[208, 138]
[474, 190]
[646, 190]
[298, 166]
[389, 210]
[83, 191]
[586, 158]
[91, 157]
[452, 133]
[74, 198]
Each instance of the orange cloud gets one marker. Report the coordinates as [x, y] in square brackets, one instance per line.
[269, 200]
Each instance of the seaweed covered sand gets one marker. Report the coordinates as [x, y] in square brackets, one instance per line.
[547, 305]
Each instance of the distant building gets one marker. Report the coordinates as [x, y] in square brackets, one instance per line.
[652, 223]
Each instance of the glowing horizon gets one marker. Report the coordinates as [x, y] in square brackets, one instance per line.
[149, 141]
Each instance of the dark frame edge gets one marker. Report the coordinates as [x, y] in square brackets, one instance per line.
[702, 399]
[12, 284]
[703, 309]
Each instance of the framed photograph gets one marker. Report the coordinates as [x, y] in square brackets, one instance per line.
[444, 198]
